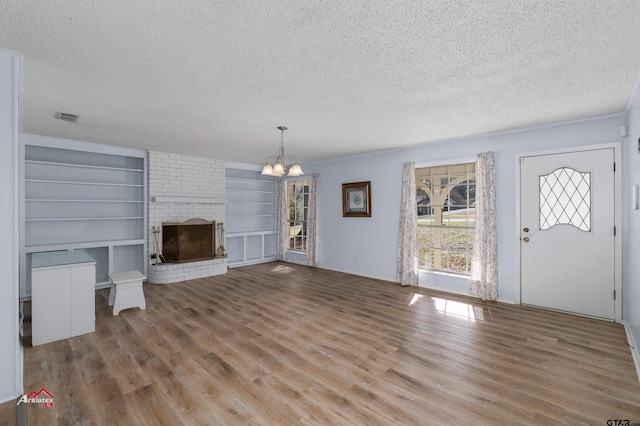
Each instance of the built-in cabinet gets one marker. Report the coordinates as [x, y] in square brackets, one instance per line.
[63, 295]
[251, 226]
[84, 196]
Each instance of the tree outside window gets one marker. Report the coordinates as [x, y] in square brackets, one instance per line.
[446, 197]
[298, 193]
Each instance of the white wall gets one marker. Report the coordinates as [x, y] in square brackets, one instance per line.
[175, 175]
[631, 223]
[367, 246]
[181, 176]
[10, 347]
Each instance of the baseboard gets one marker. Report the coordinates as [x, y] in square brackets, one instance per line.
[13, 398]
[633, 346]
[510, 302]
[250, 262]
[353, 273]
[499, 300]
[462, 293]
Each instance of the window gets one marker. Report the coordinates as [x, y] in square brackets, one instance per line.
[446, 197]
[298, 192]
[565, 199]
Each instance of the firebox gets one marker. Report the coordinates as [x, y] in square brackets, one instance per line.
[189, 241]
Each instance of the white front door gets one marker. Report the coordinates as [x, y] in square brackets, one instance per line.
[567, 232]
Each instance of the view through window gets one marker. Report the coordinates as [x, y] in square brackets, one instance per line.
[298, 193]
[446, 197]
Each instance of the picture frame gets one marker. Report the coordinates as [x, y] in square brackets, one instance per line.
[356, 199]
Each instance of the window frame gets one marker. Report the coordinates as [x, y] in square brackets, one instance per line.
[468, 229]
[300, 222]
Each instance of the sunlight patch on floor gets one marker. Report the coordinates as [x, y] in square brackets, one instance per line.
[460, 309]
[415, 298]
[464, 310]
[282, 269]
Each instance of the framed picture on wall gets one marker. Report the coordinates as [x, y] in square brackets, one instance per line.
[356, 199]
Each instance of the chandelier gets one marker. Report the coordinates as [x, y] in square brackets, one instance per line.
[279, 168]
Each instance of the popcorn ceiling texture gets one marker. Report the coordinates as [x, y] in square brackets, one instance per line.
[215, 79]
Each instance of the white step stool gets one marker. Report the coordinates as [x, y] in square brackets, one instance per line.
[126, 291]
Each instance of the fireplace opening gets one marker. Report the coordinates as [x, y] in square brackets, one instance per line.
[190, 241]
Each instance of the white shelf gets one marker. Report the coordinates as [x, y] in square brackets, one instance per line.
[57, 247]
[197, 200]
[48, 219]
[83, 166]
[52, 200]
[250, 191]
[251, 217]
[244, 234]
[250, 180]
[251, 203]
[65, 182]
[104, 187]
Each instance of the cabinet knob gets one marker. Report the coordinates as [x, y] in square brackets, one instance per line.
[525, 239]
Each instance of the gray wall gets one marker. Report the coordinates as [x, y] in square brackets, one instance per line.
[367, 246]
[10, 348]
[631, 223]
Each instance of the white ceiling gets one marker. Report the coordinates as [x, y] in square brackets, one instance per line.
[216, 78]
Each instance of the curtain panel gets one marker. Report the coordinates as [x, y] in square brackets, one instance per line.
[484, 258]
[283, 218]
[311, 220]
[407, 254]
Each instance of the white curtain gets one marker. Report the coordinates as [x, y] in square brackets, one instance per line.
[484, 258]
[407, 256]
[311, 220]
[283, 219]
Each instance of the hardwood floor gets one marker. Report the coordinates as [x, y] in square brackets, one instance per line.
[285, 344]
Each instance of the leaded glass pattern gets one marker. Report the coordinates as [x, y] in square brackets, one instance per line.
[565, 199]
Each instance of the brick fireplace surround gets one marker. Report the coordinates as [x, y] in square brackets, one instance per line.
[181, 188]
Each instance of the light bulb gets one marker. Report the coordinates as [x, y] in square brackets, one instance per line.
[295, 170]
[267, 170]
[278, 169]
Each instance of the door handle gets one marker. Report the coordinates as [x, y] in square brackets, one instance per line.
[525, 239]
[526, 229]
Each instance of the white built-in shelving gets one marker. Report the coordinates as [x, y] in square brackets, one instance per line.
[251, 235]
[80, 195]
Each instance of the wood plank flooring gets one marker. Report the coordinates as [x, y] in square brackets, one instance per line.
[280, 343]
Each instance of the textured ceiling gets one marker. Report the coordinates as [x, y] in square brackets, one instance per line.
[215, 78]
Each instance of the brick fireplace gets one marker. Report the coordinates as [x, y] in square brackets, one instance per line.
[180, 188]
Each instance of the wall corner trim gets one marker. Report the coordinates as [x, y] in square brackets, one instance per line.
[633, 346]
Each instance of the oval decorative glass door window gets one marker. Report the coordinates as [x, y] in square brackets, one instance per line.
[565, 199]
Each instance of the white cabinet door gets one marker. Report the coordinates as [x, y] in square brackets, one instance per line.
[83, 307]
[50, 302]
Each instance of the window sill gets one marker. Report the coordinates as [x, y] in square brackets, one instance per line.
[444, 273]
[444, 281]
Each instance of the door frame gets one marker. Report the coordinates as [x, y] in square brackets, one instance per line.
[617, 214]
